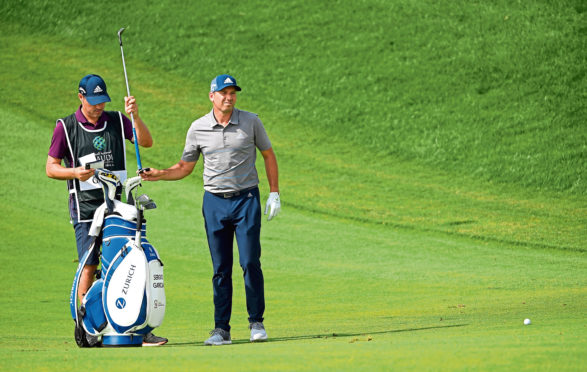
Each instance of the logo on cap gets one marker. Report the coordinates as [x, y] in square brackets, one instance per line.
[222, 81]
[94, 89]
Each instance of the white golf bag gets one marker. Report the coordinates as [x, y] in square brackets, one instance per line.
[128, 299]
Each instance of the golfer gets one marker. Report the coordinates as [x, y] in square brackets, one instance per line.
[227, 139]
[88, 136]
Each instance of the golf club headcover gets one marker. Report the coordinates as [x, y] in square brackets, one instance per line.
[110, 182]
[129, 186]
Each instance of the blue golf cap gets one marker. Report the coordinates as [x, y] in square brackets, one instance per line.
[222, 81]
[93, 88]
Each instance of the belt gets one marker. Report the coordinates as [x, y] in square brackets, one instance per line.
[227, 195]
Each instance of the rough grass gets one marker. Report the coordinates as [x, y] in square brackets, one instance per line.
[489, 89]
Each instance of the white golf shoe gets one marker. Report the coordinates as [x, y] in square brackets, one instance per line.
[257, 332]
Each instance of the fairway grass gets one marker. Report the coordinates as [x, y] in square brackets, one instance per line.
[341, 294]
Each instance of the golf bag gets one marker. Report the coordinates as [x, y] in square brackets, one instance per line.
[127, 300]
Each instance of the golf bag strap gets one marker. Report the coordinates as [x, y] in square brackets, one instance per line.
[102, 326]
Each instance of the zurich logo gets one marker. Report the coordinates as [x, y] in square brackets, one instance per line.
[120, 303]
[99, 143]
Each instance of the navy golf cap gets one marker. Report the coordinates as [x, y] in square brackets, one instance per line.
[222, 81]
[93, 88]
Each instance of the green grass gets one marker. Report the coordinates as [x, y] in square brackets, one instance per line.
[432, 162]
[492, 89]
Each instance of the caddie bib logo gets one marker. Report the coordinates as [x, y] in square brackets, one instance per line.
[99, 143]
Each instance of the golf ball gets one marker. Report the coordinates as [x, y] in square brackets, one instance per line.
[527, 321]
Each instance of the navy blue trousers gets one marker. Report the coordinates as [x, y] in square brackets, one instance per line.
[224, 219]
[83, 240]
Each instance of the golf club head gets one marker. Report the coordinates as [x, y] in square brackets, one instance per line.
[145, 202]
[120, 35]
[129, 186]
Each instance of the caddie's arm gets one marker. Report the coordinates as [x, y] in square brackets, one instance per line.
[175, 172]
[55, 170]
[143, 134]
[271, 169]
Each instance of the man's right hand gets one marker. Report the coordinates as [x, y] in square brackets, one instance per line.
[83, 174]
[150, 174]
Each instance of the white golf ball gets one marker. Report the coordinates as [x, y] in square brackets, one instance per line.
[527, 321]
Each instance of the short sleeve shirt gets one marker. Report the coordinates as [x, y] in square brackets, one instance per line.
[229, 152]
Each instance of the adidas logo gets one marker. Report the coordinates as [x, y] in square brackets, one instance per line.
[250, 195]
[98, 89]
[228, 81]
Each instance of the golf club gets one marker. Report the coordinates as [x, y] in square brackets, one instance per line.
[129, 186]
[145, 202]
[134, 132]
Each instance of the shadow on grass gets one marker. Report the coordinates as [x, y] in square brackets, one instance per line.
[406, 226]
[319, 336]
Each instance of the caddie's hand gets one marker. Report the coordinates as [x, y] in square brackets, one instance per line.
[273, 205]
[130, 106]
[83, 174]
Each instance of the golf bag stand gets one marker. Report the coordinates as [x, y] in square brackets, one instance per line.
[127, 300]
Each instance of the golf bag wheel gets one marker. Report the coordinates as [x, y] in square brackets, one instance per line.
[83, 339]
[80, 336]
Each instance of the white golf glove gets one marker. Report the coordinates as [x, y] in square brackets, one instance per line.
[273, 205]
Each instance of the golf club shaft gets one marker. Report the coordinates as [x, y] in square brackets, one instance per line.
[134, 131]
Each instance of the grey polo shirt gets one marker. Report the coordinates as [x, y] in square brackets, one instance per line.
[229, 152]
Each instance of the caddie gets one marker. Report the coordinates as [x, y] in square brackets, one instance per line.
[89, 136]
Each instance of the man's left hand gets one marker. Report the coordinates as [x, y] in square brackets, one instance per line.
[273, 205]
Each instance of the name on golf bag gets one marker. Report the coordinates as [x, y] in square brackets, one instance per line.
[128, 281]
[159, 278]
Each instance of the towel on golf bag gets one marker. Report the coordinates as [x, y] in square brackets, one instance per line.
[130, 296]
[127, 212]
